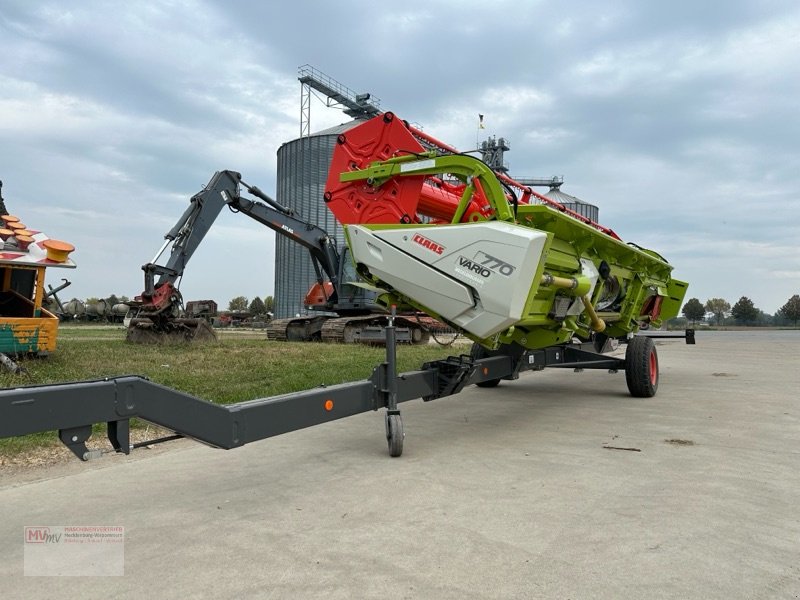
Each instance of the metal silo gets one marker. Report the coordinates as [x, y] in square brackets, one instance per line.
[575, 204]
[302, 172]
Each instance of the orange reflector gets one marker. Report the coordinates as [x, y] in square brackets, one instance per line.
[329, 405]
[485, 370]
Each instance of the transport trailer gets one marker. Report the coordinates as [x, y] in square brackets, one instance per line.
[72, 408]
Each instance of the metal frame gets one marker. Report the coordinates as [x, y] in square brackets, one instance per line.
[72, 408]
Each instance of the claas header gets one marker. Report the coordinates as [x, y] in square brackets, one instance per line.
[533, 284]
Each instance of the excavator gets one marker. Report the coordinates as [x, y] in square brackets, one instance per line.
[347, 308]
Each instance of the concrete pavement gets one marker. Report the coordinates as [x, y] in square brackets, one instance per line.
[500, 493]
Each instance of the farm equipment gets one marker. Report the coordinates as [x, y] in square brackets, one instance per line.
[338, 290]
[489, 256]
[26, 326]
[532, 284]
[201, 309]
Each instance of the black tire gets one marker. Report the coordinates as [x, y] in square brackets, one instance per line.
[479, 351]
[488, 384]
[641, 367]
[394, 434]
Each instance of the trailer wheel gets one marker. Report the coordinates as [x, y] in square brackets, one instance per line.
[479, 351]
[641, 367]
[394, 434]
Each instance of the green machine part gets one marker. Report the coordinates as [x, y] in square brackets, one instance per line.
[634, 289]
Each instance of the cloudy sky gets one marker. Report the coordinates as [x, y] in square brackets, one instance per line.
[678, 119]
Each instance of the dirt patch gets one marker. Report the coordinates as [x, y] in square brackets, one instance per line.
[723, 374]
[43, 457]
[679, 442]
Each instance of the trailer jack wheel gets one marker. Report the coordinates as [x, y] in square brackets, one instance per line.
[641, 367]
[394, 434]
[488, 384]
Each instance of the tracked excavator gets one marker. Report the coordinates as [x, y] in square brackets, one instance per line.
[346, 307]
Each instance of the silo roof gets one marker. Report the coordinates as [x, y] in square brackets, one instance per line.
[337, 129]
[564, 198]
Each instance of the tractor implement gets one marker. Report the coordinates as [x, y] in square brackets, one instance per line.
[428, 230]
[443, 234]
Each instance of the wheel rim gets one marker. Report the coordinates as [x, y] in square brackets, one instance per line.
[653, 368]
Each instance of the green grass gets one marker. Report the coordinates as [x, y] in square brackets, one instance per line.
[231, 370]
[80, 331]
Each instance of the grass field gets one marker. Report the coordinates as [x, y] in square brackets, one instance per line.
[243, 365]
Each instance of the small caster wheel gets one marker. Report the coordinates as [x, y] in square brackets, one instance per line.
[394, 434]
[641, 367]
[489, 384]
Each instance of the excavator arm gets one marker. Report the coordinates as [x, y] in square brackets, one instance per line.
[160, 300]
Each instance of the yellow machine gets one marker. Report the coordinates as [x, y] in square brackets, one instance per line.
[25, 326]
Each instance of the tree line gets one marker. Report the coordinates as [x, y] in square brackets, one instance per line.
[744, 312]
[256, 306]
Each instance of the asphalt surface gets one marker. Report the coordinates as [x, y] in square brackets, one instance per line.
[500, 493]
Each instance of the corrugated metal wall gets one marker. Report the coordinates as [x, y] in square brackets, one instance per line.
[302, 172]
[575, 204]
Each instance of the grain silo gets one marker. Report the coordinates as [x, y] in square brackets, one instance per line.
[577, 205]
[302, 171]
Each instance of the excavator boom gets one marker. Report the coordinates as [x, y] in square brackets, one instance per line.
[159, 304]
[159, 321]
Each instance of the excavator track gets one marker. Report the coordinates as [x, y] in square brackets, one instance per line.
[370, 330]
[296, 329]
[367, 329]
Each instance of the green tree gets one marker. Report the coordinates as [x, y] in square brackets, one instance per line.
[694, 310]
[791, 310]
[257, 307]
[238, 303]
[719, 307]
[744, 311]
[269, 304]
[763, 318]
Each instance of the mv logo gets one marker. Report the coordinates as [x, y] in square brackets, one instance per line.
[41, 535]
